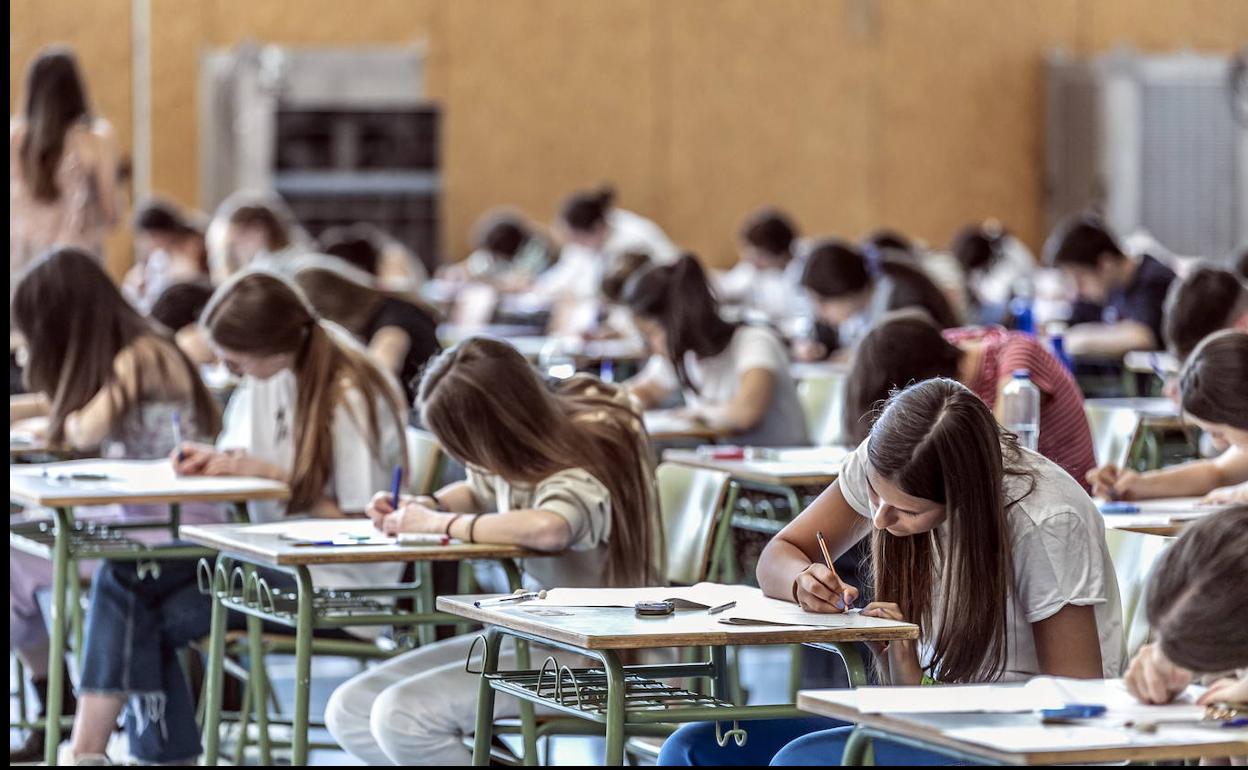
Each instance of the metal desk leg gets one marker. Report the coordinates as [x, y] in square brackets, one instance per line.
[528, 718]
[484, 734]
[615, 707]
[303, 667]
[175, 520]
[723, 566]
[856, 748]
[258, 684]
[64, 524]
[77, 619]
[213, 677]
[426, 633]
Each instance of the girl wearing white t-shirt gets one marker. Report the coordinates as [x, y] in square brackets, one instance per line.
[313, 411]
[735, 377]
[994, 551]
[566, 472]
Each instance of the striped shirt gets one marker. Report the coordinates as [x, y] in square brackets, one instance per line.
[1065, 437]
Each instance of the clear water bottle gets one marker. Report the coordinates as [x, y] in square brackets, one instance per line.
[1021, 409]
[1024, 316]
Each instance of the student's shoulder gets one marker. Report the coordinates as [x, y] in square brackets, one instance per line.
[1045, 496]
[578, 482]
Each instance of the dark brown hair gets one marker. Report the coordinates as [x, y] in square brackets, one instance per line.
[903, 347]
[978, 246]
[1196, 598]
[56, 100]
[359, 245]
[836, 269]
[583, 211]
[1080, 241]
[501, 233]
[263, 314]
[76, 322]
[156, 215]
[1213, 380]
[276, 228]
[938, 441]
[1205, 301]
[679, 298]
[619, 270]
[771, 231]
[489, 409]
[181, 304]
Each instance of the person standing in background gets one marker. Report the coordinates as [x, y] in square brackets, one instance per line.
[62, 165]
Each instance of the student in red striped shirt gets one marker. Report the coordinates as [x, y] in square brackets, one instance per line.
[906, 346]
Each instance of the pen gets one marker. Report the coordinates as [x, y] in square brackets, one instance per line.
[394, 486]
[516, 597]
[177, 435]
[1119, 507]
[322, 543]
[827, 559]
[721, 608]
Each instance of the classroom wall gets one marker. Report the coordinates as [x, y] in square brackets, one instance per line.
[917, 115]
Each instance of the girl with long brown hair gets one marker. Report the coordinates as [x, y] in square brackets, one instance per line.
[400, 332]
[101, 379]
[62, 164]
[564, 471]
[996, 553]
[314, 411]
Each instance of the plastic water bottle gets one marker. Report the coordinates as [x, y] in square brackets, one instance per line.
[1024, 317]
[1021, 409]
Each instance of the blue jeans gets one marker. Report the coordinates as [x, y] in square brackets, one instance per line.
[814, 741]
[135, 626]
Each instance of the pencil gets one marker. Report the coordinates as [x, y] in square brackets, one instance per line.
[827, 559]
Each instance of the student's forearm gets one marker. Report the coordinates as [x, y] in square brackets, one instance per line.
[26, 405]
[646, 391]
[538, 530]
[1108, 340]
[1186, 480]
[458, 498]
[778, 567]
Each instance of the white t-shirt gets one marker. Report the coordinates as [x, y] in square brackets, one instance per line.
[776, 295]
[718, 378]
[578, 273]
[1059, 558]
[578, 498]
[260, 420]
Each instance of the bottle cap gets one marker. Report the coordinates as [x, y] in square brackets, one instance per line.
[1021, 374]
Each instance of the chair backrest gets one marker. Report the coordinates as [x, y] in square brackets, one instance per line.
[823, 404]
[1133, 555]
[691, 502]
[1113, 433]
[424, 457]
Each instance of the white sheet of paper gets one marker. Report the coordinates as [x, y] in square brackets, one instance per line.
[136, 477]
[1189, 507]
[322, 529]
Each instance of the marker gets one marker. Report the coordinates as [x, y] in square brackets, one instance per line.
[1119, 507]
[177, 435]
[395, 485]
[827, 559]
[721, 608]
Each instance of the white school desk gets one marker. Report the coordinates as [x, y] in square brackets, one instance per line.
[1018, 738]
[235, 585]
[783, 467]
[614, 695]
[65, 542]
[1150, 362]
[669, 425]
[1163, 516]
[1152, 408]
[818, 370]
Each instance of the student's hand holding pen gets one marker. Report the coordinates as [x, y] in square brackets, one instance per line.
[1113, 483]
[191, 459]
[410, 516]
[819, 589]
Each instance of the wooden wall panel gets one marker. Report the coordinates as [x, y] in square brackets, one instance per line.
[765, 108]
[545, 97]
[99, 32]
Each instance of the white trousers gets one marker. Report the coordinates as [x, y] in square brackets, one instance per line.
[417, 708]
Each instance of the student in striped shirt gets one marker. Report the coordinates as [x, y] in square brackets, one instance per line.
[906, 346]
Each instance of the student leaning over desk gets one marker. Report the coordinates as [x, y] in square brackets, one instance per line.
[314, 411]
[995, 552]
[1214, 398]
[101, 378]
[566, 472]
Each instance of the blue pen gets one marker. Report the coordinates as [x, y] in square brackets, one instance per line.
[1072, 711]
[395, 485]
[177, 435]
[1119, 507]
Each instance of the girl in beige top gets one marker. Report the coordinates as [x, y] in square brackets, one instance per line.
[62, 165]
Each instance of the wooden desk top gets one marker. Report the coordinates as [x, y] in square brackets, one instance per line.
[1042, 744]
[666, 425]
[276, 544]
[619, 628]
[1150, 407]
[794, 467]
[130, 481]
[1164, 516]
